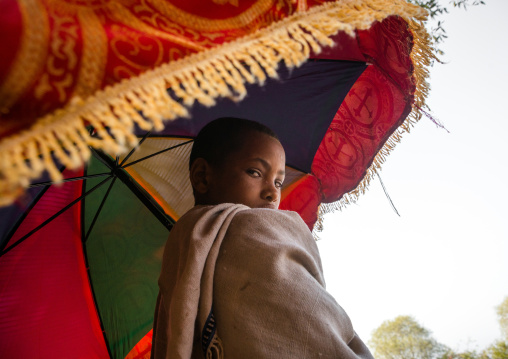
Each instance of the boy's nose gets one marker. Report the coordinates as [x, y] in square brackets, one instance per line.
[271, 193]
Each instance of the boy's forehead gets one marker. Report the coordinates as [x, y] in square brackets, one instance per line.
[259, 142]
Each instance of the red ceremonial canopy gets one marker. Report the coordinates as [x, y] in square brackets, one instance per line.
[69, 64]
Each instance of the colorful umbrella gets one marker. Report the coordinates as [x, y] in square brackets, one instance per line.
[80, 262]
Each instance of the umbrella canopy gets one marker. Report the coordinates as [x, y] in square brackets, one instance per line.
[80, 262]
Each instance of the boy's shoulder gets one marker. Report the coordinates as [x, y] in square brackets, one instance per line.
[269, 222]
[242, 212]
[260, 218]
[265, 215]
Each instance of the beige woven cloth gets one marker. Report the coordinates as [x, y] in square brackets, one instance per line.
[261, 272]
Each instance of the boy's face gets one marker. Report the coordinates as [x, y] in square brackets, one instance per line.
[251, 176]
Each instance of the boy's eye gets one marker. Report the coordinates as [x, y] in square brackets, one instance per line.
[254, 173]
[278, 184]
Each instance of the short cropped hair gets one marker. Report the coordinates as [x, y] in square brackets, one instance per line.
[222, 137]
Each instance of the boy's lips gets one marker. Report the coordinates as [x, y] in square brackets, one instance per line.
[269, 206]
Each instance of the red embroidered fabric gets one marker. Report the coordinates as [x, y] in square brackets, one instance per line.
[53, 50]
[378, 103]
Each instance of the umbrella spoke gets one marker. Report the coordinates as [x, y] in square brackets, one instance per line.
[157, 153]
[13, 230]
[134, 149]
[145, 198]
[47, 183]
[109, 164]
[99, 209]
[54, 216]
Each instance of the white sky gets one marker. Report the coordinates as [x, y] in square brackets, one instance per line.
[444, 261]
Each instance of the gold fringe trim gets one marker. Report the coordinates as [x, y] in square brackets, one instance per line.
[202, 77]
[422, 56]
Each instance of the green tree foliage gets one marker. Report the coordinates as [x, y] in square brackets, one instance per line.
[502, 315]
[404, 338]
[498, 350]
[470, 354]
[437, 9]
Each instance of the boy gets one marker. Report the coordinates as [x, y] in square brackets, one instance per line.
[239, 278]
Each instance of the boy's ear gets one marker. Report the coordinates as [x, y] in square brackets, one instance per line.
[200, 172]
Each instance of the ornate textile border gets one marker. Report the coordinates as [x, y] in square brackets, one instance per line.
[422, 55]
[202, 77]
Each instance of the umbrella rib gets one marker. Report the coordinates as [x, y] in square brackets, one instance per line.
[100, 158]
[85, 256]
[47, 183]
[54, 216]
[22, 218]
[157, 153]
[14, 228]
[148, 201]
[99, 209]
[134, 149]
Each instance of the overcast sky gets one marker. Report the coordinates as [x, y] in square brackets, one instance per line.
[445, 259]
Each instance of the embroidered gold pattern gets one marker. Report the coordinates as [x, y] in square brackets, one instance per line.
[29, 59]
[132, 40]
[62, 59]
[302, 5]
[124, 16]
[182, 36]
[200, 23]
[94, 54]
[225, 2]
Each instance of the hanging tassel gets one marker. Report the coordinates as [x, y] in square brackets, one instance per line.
[386, 193]
[432, 118]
